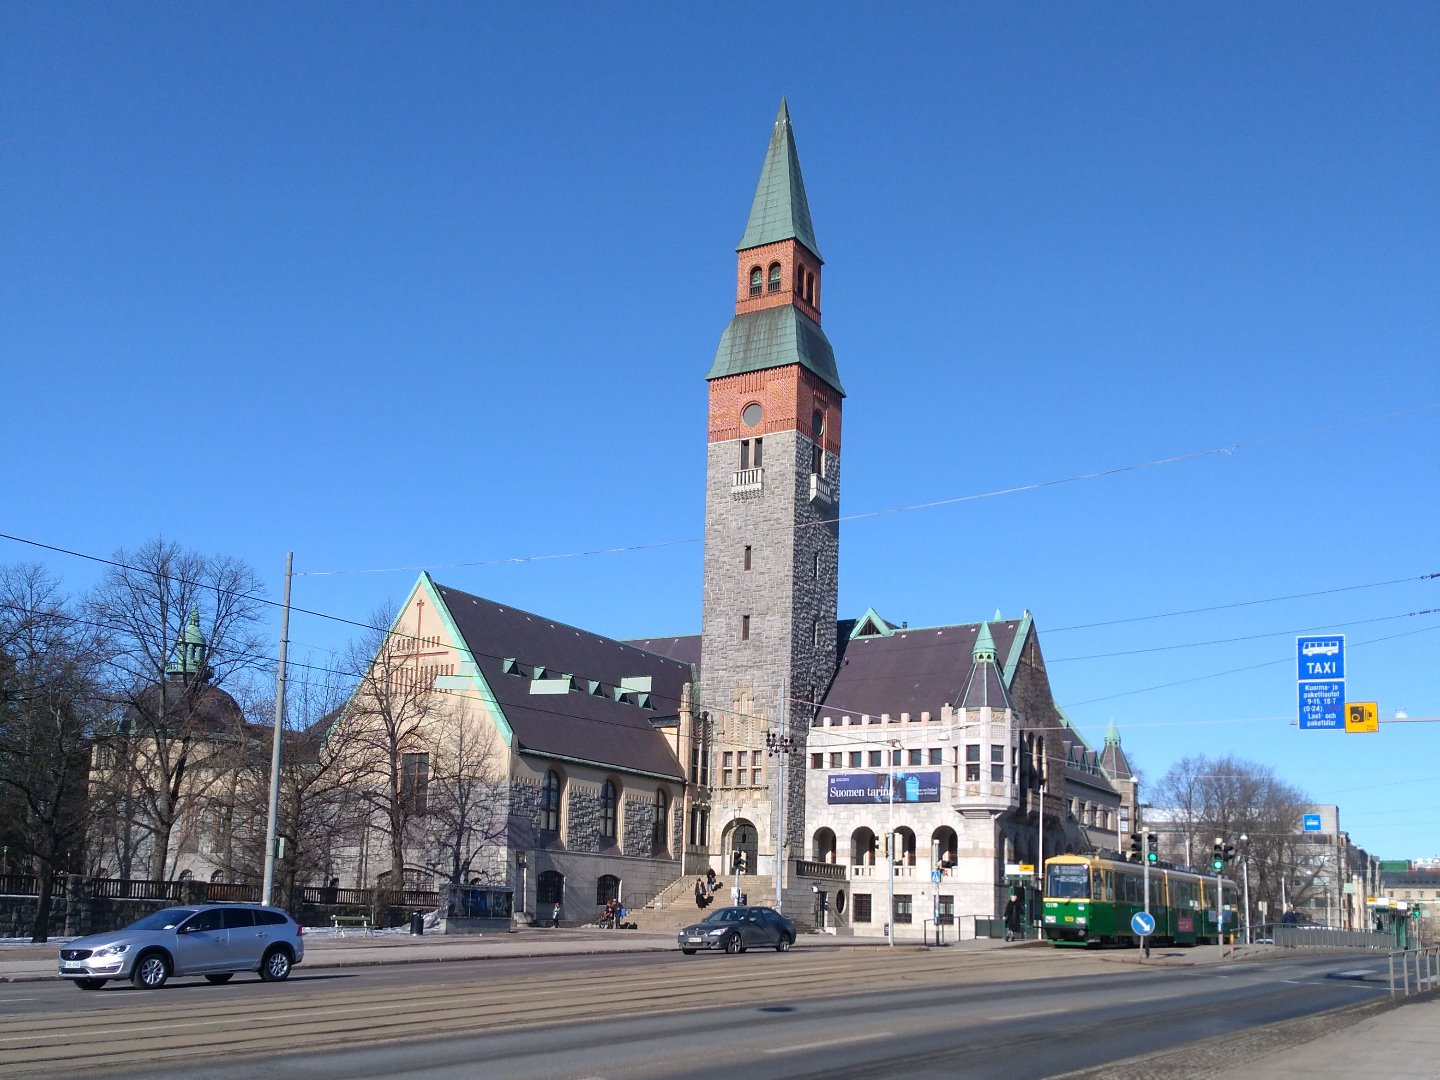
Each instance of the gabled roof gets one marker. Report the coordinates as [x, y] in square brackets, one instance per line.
[613, 699]
[871, 624]
[780, 210]
[913, 670]
[775, 337]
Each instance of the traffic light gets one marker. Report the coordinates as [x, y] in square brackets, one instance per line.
[1135, 842]
[737, 861]
[1152, 847]
[1229, 852]
[1217, 862]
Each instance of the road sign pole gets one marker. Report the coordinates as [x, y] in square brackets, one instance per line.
[1145, 872]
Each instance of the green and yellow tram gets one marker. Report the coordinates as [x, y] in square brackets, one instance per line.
[1089, 900]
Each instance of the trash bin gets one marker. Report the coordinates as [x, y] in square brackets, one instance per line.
[417, 923]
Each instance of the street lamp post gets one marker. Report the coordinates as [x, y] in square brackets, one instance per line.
[781, 745]
[890, 848]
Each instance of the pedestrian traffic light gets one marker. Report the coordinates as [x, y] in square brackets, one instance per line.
[1229, 852]
[737, 861]
[1152, 847]
[1135, 841]
[1217, 862]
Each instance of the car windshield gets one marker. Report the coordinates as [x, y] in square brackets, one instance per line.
[164, 919]
[726, 914]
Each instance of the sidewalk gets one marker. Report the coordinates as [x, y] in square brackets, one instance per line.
[1395, 1043]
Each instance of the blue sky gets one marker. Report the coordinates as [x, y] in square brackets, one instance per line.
[395, 286]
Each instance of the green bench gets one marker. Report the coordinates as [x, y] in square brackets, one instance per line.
[341, 923]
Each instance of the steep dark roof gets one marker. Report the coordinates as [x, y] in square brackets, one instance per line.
[686, 649]
[579, 725]
[912, 670]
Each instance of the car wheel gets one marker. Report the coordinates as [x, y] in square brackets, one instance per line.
[732, 944]
[151, 971]
[275, 965]
[783, 945]
[224, 977]
[90, 984]
[688, 952]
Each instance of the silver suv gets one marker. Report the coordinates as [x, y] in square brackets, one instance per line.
[214, 940]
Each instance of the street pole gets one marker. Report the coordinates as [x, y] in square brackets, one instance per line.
[1245, 871]
[1040, 856]
[890, 852]
[1145, 873]
[1219, 899]
[780, 825]
[267, 890]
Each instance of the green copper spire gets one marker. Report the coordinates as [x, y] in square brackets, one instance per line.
[1112, 735]
[189, 659]
[780, 210]
[984, 645]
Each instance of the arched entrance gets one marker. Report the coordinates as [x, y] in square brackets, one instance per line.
[741, 835]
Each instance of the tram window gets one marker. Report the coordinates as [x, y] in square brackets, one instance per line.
[1109, 891]
[1068, 881]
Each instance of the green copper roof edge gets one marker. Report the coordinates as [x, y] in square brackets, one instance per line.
[783, 352]
[487, 696]
[886, 630]
[608, 765]
[1017, 648]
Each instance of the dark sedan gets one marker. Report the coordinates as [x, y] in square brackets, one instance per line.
[735, 929]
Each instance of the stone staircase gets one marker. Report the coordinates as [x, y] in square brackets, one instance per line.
[674, 906]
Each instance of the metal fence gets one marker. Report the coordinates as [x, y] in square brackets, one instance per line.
[130, 889]
[23, 885]
[1297, 937]
[1414, 971]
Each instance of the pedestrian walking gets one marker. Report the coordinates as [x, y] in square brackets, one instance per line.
[1012, 917]
[555, 915]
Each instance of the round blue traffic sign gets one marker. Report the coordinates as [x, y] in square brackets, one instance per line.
[1143, 923]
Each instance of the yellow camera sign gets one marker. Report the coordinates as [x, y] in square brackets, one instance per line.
[1362, 716]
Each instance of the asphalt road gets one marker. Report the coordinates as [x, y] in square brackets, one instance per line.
[830, 1013]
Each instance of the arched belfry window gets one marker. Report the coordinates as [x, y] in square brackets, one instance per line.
[774, 285]
[550, 803]
[609, 799]
[755, 281]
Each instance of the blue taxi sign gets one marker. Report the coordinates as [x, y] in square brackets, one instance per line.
[1143, 923]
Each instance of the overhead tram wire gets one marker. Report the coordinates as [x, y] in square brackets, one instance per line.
[391, 633]
[1096, 474]
[1248, 637]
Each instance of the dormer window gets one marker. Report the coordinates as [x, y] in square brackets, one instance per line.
[755, 281]
[774, 285]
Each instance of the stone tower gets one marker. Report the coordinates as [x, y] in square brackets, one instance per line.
[772, 499]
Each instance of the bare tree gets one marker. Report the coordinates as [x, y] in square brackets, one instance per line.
[181, 625]
[1228, 797]
[320, 808]
[49, 704]
[382, 729]
[467, 811]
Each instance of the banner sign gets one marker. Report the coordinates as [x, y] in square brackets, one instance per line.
[871, 787]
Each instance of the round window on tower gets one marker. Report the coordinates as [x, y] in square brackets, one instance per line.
[752, 414]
